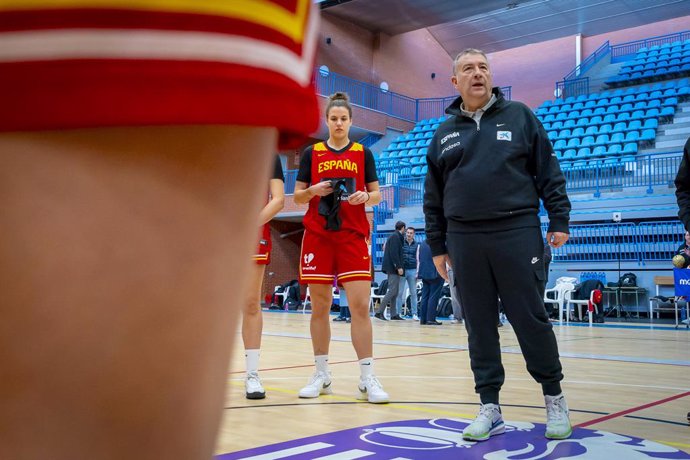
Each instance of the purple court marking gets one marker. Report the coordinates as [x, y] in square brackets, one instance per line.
[441, 439]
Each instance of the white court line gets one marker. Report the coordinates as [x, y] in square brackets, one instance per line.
[569, 381]
[290, 452]
[347, 455]
[508, 350]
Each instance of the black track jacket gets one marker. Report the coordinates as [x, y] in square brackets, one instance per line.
[490, 177]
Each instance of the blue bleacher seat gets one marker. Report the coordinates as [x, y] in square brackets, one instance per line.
[578, 132]
[569, 154]
[559, 144]
[564, 134]
[632, 136]
[617, 137]
[648, 135]
[635, 124]
[620, 127]
[596, 120]
[569, 124]
[638, 115]
[667, 111]
[599, 151]
[630, 148]
[599, 111]
[583, 152]
[587, 141]
[605, 128]
[651, 123]
[602, 139]
[614, 149]
[591, 130]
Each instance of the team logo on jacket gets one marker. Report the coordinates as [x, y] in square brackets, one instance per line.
[504, 136]
[308, 258]
[449, 137]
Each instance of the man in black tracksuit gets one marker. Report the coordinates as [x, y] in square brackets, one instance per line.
[489, 164]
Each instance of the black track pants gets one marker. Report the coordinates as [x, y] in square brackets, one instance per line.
[507, 264]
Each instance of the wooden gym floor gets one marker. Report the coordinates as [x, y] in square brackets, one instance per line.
[629, 379]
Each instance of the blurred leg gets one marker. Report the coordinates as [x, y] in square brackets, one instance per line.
[252, 319]
[120, 259]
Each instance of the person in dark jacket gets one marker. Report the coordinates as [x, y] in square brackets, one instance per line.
[393, 267]
[410, 276]
[683, 197]
[683, 187]
[489, 165]
[432, 283]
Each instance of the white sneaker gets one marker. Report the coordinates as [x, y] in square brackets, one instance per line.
[415, 317]
[319, 384]
[253, 387]
[489, 422]
[557, 418]
[370, 389]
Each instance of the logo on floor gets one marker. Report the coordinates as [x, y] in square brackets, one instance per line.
[440, 439]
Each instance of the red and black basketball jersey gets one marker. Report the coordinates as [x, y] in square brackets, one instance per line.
[320, 162]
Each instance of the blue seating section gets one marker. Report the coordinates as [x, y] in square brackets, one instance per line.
[608, 128]
[661, 62]
[408, 151]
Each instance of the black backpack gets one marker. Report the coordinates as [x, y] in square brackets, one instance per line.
[628, 280]
[445, 307]
[293, 301]
[383, 287]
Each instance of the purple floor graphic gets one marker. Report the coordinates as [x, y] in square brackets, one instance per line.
[441, 439]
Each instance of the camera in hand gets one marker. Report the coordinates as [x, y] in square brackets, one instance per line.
[681, 261]
[343, 187]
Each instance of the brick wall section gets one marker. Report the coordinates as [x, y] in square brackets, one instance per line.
[532, 70]
[404, 61]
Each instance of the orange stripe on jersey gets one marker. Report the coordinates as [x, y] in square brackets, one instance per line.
[286, 16]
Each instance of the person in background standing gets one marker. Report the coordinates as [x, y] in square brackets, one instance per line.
[432, 284]
[410, 275]
[393, 267]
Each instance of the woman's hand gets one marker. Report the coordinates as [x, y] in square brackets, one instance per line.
[321, 189]
[359, 197]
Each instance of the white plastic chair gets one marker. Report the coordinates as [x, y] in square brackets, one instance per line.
[373, 297]
[559, 292]
[581, 303]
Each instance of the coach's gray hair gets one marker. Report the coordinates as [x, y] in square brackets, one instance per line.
[464, 52]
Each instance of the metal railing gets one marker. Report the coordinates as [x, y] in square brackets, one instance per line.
[641, 242]
[574, 87]
[366, 95]
[589, 62]
[625, 51]
[388, 102]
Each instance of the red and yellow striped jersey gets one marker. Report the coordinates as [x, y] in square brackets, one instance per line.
[92, 63]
